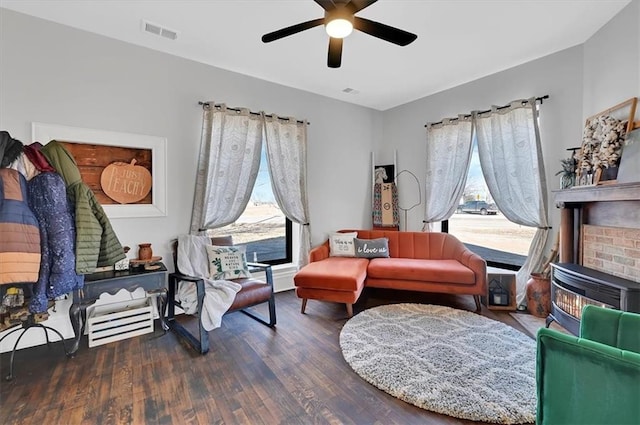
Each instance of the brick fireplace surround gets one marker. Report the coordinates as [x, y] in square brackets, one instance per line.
[613, 250]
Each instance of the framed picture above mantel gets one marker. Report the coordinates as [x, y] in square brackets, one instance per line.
[126, 172]
[629, 171]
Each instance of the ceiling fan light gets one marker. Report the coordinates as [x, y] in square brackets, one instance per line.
[339, 28]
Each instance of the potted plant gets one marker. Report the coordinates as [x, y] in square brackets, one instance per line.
[568, 172]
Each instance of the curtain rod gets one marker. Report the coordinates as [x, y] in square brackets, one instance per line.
[538, 99]
[208, 104]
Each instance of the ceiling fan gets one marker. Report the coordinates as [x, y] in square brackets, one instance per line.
[339, 21]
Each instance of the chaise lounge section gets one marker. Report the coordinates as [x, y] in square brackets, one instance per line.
[417, 261]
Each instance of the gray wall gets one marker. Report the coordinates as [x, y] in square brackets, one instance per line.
[612, 62]
[58, 75]
[580, 81]
[558, 75]
[55, 74]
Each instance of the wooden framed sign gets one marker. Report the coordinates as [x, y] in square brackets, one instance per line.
[126, 183]
[134, 184]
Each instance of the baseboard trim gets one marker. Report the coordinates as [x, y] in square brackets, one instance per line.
[283, 277]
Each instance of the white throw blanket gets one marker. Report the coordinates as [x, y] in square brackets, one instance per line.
[219, 294]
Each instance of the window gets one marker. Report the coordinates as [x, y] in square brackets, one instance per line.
[482, 227]
[262, 227]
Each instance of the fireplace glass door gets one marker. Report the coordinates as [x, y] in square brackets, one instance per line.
[571, 302]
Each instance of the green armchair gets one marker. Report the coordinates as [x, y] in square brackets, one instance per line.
[593, 378]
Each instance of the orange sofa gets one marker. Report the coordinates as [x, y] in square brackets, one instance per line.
[418, 261]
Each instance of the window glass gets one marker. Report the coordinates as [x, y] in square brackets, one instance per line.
[262, 227]
[483, 228]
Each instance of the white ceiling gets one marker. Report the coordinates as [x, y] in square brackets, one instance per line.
[458, 40]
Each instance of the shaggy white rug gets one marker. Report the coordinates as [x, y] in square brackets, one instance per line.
[445, 360]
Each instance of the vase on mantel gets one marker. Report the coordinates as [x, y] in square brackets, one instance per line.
[144, 251]
[539, 295]
[567, 181]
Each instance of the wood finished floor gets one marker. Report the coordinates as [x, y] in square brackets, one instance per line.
[294, 374]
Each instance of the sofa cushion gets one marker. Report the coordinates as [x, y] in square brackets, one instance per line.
[337, 273]
[372, 248]
[418, 245]
[227, 262]
[342, 245]
[445, 271]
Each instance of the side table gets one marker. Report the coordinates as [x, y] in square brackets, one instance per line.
[95, 284]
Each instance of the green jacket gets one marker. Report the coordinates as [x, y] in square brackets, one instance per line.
[96, 243]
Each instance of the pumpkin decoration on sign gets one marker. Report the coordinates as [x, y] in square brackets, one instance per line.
[126, 183]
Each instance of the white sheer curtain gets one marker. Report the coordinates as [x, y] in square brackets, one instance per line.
[228, 165]
[448, 157]
[512, 164]
[286, 145]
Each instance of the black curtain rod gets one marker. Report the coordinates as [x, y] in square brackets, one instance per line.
[207, 104]
[538, 99]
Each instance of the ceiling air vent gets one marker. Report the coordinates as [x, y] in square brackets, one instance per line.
[159, 30]
[171, 35]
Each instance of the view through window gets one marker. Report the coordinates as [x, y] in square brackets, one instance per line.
[262, 227]
[482, 227]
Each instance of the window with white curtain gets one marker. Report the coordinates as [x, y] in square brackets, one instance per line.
[262, 227]
[480, 225]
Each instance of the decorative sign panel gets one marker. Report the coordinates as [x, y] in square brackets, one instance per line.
[94, 150]
[126, 183]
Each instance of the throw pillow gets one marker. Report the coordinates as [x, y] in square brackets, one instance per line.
[227, 262]
[372, 248]
[341, 244]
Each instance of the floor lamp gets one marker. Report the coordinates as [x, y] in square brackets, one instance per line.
[406, 210]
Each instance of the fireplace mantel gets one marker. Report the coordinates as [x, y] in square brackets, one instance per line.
[601, 193]
[615, 205]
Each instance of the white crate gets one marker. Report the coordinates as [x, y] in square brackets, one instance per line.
[106, 325]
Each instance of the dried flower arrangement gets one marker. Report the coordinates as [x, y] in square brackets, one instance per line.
[602, 141]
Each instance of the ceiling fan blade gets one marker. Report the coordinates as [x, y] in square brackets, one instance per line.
[355, 6]
[294, 29]
[385, 32]
[326, 4]
[334, 59]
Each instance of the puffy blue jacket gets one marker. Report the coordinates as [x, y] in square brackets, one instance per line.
[47, 196]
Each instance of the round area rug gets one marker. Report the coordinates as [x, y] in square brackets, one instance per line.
[445, 360]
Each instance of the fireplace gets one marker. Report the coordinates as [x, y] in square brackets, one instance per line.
[574, 286]
[599, 251]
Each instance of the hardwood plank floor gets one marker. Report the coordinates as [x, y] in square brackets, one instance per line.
[293, 374]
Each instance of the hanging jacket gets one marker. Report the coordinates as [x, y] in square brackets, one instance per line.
[47, 197]
[36, 157]
[96, 243]
[19, 232]
[24, 165]
[10, 149]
